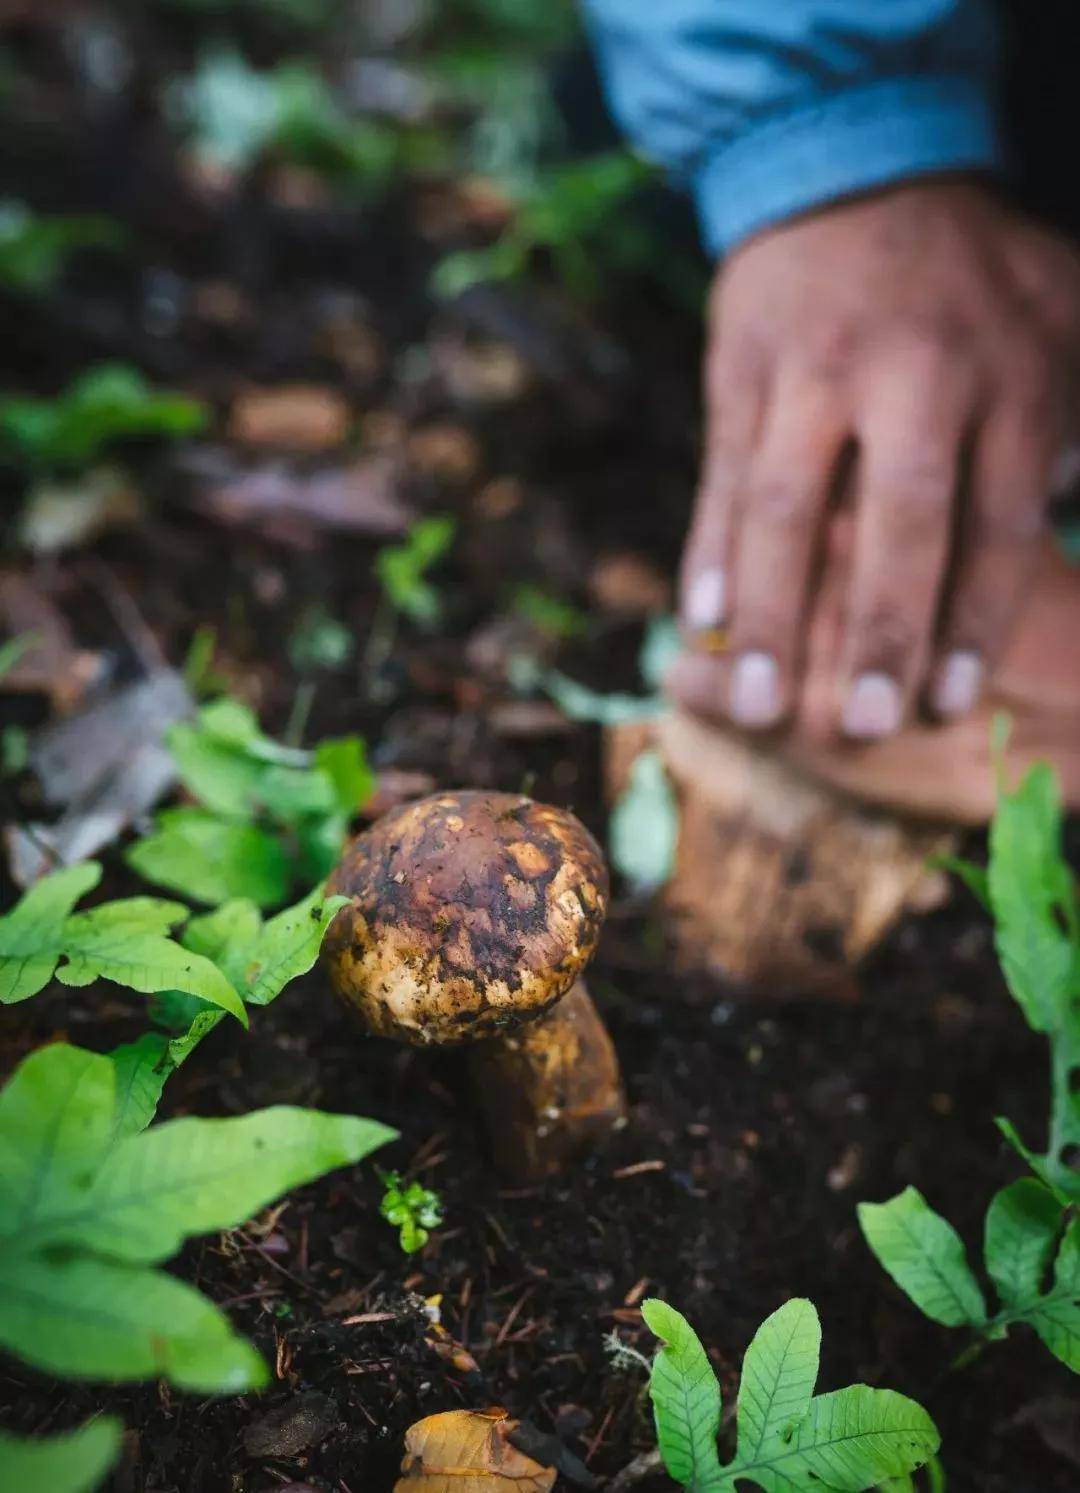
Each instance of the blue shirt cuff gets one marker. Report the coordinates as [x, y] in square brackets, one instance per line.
[850, 142]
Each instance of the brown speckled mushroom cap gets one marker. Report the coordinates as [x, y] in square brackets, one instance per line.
[470, 912]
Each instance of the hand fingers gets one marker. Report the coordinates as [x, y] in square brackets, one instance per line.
[735, 395]
[780, 522]
[911, 435]
[1011, 472]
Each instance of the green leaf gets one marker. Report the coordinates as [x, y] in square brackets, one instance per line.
[851, 1439]
[260, 960]
[30, 933]
[194, 1176]
[1033, 899]
[778, 1377]
[87, 1318]
[210, 859]
[1022, 1225]
[74, 1462]
[925, 1257]
[13, 650]
[56, 1116]
[104, 404]
[975, 878]
[288, 946]
[685, 1398]
[659, 649]
[1040, 1165]
[1056, 1316]
[141, 1069]
[344, 761]
[401, 568]
[122, 941]
[643, 833]
[34, 249]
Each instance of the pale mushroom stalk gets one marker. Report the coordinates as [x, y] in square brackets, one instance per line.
[472, 917]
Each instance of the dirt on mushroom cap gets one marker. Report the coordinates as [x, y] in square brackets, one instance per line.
[470, 912]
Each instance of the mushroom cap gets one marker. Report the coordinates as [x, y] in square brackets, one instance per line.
[470, 912]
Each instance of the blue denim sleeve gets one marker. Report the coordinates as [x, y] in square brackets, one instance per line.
[767, 108]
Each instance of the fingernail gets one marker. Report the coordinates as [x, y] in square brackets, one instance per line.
[873, 706]
[704, 605]
[754, 699]
[958, 683]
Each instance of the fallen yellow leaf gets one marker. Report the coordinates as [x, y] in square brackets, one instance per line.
[467, 1451]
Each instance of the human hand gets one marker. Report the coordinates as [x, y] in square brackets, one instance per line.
[916, 348]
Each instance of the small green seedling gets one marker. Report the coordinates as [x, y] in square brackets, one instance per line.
[267, 816]
[575, 215]
[35, 249]
[106, 404]
[90, 1208]
[787, 1438]
[1029, 888]
[414, 1210]
[234, 115]
[402, 569]
[1026, 1227]
[548, 613]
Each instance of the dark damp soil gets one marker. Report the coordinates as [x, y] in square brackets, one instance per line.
[755, 1128]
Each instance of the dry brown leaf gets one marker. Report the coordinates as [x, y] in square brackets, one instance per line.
[53, 665]
[291, 417]
[467, 1451]
[362, 496]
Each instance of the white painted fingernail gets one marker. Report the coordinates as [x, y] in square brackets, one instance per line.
[755, 690]
[958, 683]
[704, 606]
[873, 707]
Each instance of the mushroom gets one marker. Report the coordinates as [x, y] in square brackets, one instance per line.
[471, 920]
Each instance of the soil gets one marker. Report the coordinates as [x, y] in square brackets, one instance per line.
[754, 1128]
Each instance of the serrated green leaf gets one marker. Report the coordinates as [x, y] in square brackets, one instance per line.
[29, 933]
[1030, 888]
[73, 1462]
[259, 960]
[1056, 1316]
[210, 859]
[1022, 1224]
[685, 1398]
[925, 1257]
[849, 1440]
[123, 941]
[288, 946]
[779, 1372]
[194, 1176]
[88, 1318]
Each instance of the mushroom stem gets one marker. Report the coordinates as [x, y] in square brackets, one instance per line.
[550, 1090]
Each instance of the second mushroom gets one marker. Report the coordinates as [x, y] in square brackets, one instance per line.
[472, 917]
